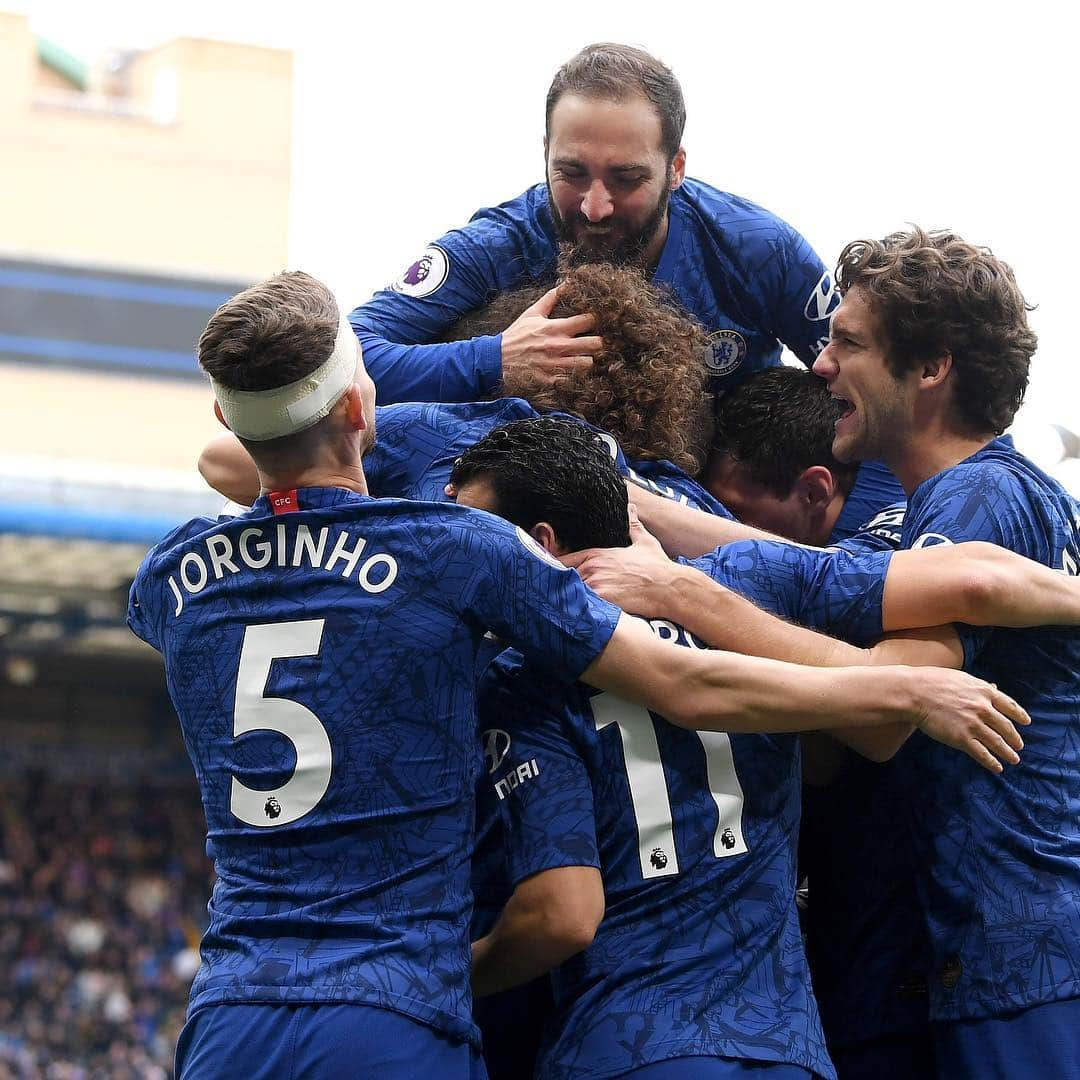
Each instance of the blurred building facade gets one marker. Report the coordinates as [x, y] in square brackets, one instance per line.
[139, 191]
[171, 160]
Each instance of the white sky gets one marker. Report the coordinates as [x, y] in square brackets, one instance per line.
[844, 118]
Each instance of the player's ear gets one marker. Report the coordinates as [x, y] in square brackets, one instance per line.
[678, 169]
[221, 417]
[816, 486]
[546, 537]
[936, 371]
[354, 408]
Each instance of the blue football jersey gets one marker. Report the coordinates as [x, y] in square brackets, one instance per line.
[875, 490]
[1000, 855]
[831, 589]
[668, 480]
[321, 661]
[699, 951]
[879, 532]
[747, 276]
[865, 940]
[418, 444]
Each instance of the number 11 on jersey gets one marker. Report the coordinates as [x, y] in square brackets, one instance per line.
[649, 792]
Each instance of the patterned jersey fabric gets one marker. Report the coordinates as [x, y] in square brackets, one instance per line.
[699, 951]
[749, 278]
[1001, 854]
[418, 445]
[321, 661]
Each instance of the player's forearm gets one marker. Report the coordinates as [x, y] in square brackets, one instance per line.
[976, 583]
[684, 531]
[528, 940]
[725, 620]
[227, 467]
[1002, 588]
[930, 647]
[753, 694]
[874, 743]
[723, 691]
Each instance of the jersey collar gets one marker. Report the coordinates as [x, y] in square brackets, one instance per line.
[306, 498]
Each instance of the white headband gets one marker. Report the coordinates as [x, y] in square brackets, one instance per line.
[259, 415]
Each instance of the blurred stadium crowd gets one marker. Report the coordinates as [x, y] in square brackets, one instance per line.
[103, 889]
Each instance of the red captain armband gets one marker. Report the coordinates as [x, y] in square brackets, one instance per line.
[283, 502]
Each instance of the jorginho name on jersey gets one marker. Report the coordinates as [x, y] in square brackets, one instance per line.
[748, 277]
[331, 724]
[1001, 891]
[699, 950]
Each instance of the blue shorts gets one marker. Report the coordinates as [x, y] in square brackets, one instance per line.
[512, 1026]
[287, 1042]
[717, 1068]
[1042, 1041]
[906, 1056]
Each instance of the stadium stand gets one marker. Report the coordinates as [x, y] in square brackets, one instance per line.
[103, 890]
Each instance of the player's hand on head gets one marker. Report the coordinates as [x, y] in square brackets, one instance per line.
[547, 346]
[635, 578]
[640, 537]
[971, 715]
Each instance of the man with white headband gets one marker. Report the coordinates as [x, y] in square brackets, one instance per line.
[262, 415]
[320, 653]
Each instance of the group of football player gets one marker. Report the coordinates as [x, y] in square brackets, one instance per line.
[473, 810]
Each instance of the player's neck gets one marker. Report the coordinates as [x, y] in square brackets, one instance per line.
[934, 451]
[349, 477]
[829, 517]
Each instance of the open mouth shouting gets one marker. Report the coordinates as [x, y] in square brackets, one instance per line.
[842, 406]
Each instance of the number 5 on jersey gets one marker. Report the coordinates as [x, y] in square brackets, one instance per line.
[255, 711]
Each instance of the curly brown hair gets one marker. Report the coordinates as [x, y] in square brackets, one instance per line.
[646, 387]
[936, 294]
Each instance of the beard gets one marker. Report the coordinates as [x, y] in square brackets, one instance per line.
[627, 250]
[367, 436]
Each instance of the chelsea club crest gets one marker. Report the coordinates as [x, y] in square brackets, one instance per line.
[725, 352]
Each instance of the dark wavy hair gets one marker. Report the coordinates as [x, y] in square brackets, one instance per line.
[617, 72]
[646, 387]
[553, 470]
[271, 334]
[936, 294]
[777, 423]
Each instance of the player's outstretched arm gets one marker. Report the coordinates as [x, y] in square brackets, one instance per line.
[642, 580]
[721, 691]
[227, 467]
[976, 583]
[684, 531]
[550, 917]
